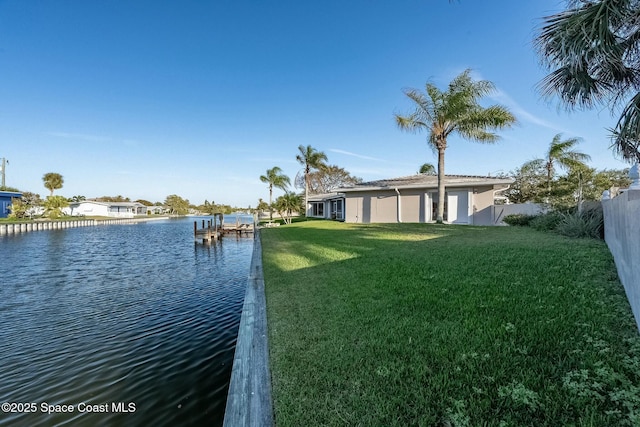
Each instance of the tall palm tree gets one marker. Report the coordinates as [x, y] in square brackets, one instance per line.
[592, 51]
[52, 181]
[311, 159]
[456, 109]
[562, 154]
[275, 178]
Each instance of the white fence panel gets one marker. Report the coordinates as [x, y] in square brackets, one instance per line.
[622, 234]
[500, 211]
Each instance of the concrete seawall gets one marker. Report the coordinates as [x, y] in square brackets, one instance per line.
[249, 401]
[24, 227]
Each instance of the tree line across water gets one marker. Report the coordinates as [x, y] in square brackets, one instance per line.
[32, 205]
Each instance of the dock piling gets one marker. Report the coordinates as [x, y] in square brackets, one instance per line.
[211, 231]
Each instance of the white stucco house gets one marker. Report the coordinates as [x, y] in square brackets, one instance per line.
[469, 200]
[157, 210]
[110, 209]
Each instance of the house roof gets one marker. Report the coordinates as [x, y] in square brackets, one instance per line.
[427, 181]
[127, 204]
[323, 197]
[10, 194]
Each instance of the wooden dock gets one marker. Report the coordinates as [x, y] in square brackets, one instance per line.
[215, 228]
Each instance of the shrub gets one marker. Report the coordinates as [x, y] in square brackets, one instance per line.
[519, 219]
[547, 222]
[589, 223]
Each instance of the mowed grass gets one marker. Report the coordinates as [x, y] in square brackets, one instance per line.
[431, 325]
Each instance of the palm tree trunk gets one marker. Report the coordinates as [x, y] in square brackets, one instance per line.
[306, 193]
[270, 203]
[579, 192]
[549, 169]
[441, 189]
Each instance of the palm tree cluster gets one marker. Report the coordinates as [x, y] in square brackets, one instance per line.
[312, 160]
[287, 204]
[53, 206]
[538, 180]
[454, 110]
[592, 50]
[562, 154]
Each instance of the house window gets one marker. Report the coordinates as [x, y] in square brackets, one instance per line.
[317, 209]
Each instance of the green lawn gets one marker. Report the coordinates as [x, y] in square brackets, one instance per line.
[431, 325]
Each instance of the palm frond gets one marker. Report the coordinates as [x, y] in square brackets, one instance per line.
[455, 109]
[562, 153]
[479, 135]
[629, 123]
[575, 87]
[480, 123]
[626, 148]
[592, 50]
[275, 178]
[626, 135]
[425, 106]
[573, 160]
[534, 165]
[558, 148]
[436, 97]
[411, 123]
[311, 158]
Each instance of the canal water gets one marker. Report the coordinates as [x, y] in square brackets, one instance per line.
[131, 325]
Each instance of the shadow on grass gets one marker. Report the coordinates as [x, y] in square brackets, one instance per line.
[323, 242]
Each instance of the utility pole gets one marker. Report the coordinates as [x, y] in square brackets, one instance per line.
[4, 165]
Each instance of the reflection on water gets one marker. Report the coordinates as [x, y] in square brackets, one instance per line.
[118, 315]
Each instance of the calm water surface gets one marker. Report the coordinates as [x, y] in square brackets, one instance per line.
[126, 317]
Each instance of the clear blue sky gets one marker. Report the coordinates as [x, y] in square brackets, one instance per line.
[146, 98]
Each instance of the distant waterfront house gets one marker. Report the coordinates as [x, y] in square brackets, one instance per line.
[469, 199]
[156, 210]
[327, 206]
[5, 202]
[110, 209]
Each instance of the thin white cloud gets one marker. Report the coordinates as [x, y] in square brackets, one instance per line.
[503, 98]
[131, 142]
[273, 160]
[85, 137]
[94, 138]
[348, 153]
[522, 114]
